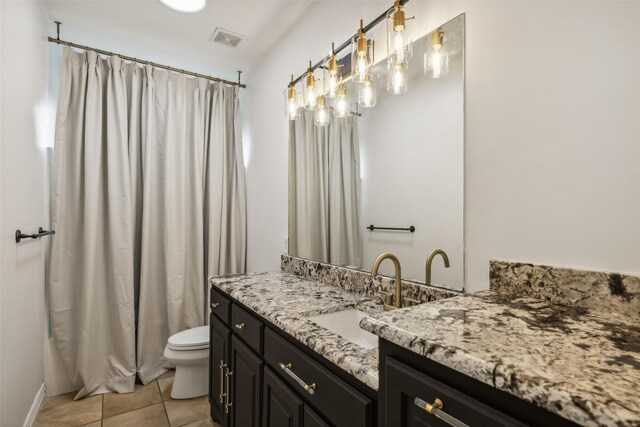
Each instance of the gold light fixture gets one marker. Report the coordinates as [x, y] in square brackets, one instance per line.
[367, 95]
[310, 101]
[437, 60]
[342, 105]
[360, 57]
[293, 112]
[334, 73]
[398, 47]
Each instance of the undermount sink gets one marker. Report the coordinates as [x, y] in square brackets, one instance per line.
[346, 323]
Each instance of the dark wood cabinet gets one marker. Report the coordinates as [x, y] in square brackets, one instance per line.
[312, 419]
[246, 387]
[281, 407]
[219, 351]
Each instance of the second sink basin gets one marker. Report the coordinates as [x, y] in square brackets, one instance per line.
[346, 323]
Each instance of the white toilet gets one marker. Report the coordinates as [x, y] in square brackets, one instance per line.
[188, 351]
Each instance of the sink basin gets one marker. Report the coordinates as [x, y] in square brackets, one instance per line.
[346, 324]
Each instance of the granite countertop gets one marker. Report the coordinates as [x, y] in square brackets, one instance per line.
[580, 363]
[286, 300]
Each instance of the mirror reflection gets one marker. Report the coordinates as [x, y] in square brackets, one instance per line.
[383, 168]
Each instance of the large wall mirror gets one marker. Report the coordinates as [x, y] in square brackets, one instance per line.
[397, 164]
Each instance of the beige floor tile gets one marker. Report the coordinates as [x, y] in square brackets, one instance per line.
[93, 424]
[151, 416]
[185, 411]
[168, 374]
[143, 395]
[165, 387]
[205, 422]
[63, 411]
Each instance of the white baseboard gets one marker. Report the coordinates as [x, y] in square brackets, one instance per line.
[30, 421]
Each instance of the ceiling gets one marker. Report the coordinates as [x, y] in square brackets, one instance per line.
[149, 30]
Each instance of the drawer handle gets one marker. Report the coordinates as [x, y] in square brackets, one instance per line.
[214, 304]
[239, 325]
[222, 393]
[435, 409]
[309, 388]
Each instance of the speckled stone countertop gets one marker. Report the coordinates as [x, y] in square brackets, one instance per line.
[580, 363]
[286, 300]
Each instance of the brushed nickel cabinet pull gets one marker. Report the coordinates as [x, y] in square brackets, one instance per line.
[239, 325]
[435, 409]
[309, 388]
[222, 393]
[227, 404]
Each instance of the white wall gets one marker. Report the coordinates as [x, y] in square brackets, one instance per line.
[23, 85]
[552, 124]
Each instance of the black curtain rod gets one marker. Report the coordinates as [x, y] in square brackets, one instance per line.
[140, 61]
[347, 43]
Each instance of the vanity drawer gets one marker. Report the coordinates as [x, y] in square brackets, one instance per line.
[220, 306]
[340, 403]
[247, 327]
[408, 391]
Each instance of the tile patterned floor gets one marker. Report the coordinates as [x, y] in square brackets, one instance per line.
[148, 406]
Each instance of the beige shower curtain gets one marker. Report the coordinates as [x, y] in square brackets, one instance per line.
[149, 199]
[324, 190]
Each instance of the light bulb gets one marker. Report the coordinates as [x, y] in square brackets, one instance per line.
[361, 67]
[292, 109]
[397, 78]
[310, 98]
[321, 117]
[367, 97]
[436, 64]
[342, 106]
[398, 45]
[333, 86]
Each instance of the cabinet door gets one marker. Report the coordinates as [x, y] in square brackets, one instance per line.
[312, 419]
[404, 384]
[246, 389]
[281, 407]
[218, 368]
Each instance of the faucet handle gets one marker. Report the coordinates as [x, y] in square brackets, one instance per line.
[409, 302]
[387, 297]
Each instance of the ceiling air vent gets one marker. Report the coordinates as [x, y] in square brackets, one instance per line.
[226, 37]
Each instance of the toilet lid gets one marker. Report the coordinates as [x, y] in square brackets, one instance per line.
[195, 338]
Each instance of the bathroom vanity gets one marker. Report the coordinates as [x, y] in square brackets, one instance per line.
[490, 358]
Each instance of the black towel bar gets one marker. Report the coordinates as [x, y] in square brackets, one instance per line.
[373, 228]
[41, 232]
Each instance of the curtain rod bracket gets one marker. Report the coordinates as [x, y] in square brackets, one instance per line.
[239, 73]
[58, 23]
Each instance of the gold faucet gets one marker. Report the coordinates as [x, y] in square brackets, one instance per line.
[374, 273]
[432, 255]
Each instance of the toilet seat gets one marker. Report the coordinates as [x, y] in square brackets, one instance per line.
[191, 339]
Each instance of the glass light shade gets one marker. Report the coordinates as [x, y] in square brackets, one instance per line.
[367, 94]
[310, 101]
[321, 115]
[396, 78]
[332, 83]
[361, 57]
[399, 46]
[185, 6]
[341, 107]
[292, 107]
[436, 59]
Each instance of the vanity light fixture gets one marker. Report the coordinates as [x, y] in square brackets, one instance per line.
[310, 101]
[436, 58]
[293, 112]
[342, 105]
[398, 47]
[334, 74]
[185, 6]
[360, 57]
[321, 115]
[367, 95]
